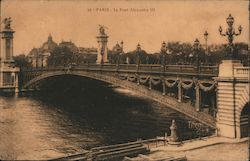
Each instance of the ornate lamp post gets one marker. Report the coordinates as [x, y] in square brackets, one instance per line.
[230, 33]
[163, 53]
[191, 57]
[206, 37]
[207, 54]
[119, 55]
[138, 52]
[147, 59]
[197, 48]
[168, 56]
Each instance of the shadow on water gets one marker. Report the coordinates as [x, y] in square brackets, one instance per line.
[108, 114]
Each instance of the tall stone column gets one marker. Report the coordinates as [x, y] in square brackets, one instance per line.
[8, 71]
[102, 39]
[7, 45]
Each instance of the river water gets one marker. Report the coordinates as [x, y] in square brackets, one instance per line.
[77, 114]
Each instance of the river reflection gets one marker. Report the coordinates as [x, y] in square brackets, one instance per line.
[64, 121]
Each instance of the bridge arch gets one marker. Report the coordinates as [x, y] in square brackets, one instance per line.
[115, 79]
[244, 121]
[242, 109]
[233, 99]
[61, 73]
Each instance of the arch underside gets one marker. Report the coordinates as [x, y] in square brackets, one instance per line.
[157, 96]
[242, 100]
[33, 82]
[244, 121]
[232, 99]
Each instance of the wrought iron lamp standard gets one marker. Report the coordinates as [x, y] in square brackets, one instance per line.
[230, 33]
[119, 55]
[163, 52]
[138, 52]
[207, 54]
[197, 48]
[206, 37]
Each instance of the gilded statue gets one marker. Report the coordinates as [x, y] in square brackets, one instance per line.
[7, 23]
[102, 30]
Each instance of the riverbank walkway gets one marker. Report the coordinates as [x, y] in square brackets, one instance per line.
[201, 149]
[204, 149]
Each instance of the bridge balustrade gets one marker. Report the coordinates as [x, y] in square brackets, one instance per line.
[209, 69]
[109, 66]
[241, 72]
[153, 67]
[175, 69]
[127, 67]
[12, 84]
[180, 68]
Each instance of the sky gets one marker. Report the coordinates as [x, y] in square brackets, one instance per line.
[140, 21]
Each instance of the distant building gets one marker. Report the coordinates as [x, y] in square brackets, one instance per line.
[38, 57]
[87, 55]
[49, 45]
[68, 44]
[114, 55]
[83, 50]
[118, 48]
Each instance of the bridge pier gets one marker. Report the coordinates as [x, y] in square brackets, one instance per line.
[233, 95]
[8, 71]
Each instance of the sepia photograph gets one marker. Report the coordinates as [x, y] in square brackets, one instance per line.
[124, 80]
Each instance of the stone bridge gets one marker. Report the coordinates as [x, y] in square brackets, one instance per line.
[165, 86]
[215, 96]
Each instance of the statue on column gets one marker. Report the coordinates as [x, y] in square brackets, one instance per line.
[102, 30]
[102, 39]
[7, 23]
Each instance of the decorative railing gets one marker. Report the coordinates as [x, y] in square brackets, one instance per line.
[242, 72]
[155, 68]
[8, 85]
